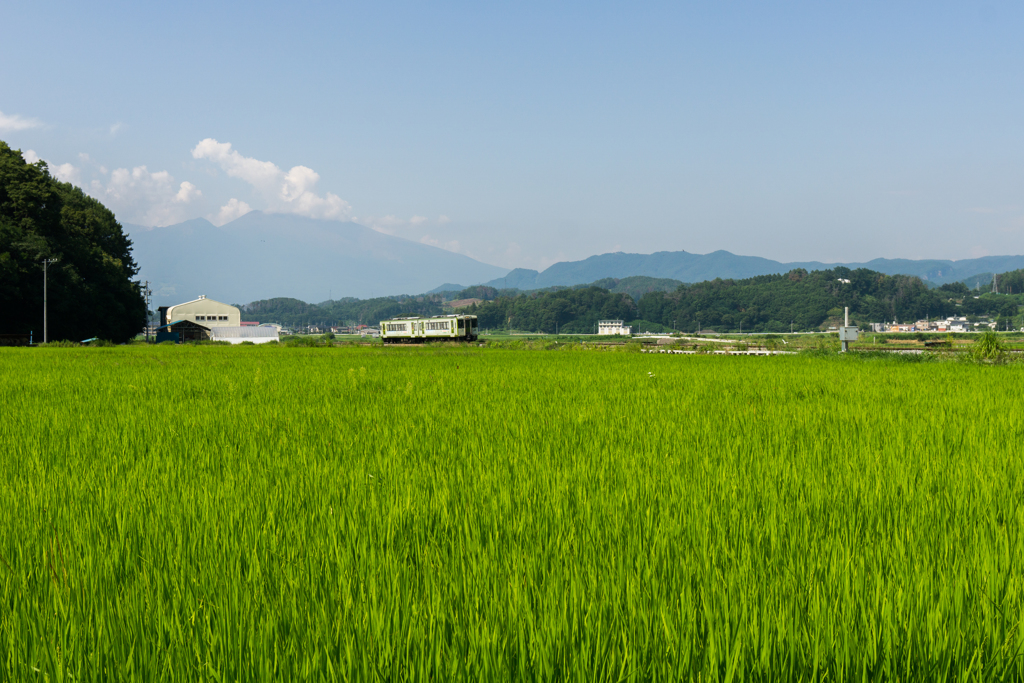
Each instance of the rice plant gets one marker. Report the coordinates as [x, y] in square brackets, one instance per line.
[212, 513]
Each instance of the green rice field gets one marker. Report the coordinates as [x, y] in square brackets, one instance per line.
[319, 514]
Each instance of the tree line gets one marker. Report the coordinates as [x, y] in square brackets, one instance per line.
[798, 300]
[91, 286]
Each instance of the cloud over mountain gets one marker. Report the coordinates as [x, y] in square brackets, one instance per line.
[140, 195]
[291, 191]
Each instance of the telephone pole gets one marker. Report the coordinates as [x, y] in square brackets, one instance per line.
[46, 331]
[147, 293]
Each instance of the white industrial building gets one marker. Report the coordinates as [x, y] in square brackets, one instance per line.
[202, 311]
[613, 327]
[257, 334]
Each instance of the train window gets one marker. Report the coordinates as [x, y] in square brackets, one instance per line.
[462, 324]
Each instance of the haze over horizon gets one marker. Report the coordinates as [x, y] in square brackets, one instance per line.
[528, 135]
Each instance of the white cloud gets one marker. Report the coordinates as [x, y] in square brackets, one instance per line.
[116, 127]
[415, 228]
[66, 173]
[12, 122]
[392, 225]
[230, 211]
[145, 197]
[450, 245]
[187, 192]
[30, 156]
[385, 224]
[293, 191]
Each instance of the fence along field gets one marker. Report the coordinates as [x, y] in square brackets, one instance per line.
[354, 514]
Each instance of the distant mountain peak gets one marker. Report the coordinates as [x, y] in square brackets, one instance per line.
[267, 255]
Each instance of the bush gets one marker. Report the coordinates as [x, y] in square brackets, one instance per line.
[300, 342]
[989, 348]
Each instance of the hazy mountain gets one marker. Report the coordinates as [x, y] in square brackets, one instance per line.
[262, 256]
[687, 267]
[446, 287]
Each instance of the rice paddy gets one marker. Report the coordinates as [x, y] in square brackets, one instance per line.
[247, 513]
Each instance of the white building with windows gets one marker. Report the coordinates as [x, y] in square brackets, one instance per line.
[203, 311]
[613, 327]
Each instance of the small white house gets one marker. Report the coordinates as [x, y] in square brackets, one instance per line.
[613, 327]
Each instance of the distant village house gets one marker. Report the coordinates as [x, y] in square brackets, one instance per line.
[613, 327]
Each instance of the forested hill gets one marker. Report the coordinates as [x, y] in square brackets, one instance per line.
[91, 286]
[798, 300]
[295, 313]
[767, 303]
[635, 286]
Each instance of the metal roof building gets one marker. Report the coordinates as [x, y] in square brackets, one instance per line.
[237, 335]
[182, 331]
[203, 311]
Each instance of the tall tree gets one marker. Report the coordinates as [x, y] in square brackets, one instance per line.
[91, 287]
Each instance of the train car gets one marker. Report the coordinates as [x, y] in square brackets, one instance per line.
[419, 330]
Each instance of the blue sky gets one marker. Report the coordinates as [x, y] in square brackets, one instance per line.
[524, 134]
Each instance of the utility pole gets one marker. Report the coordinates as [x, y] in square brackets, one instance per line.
[147, 293]
[46, 330]
[847, 334]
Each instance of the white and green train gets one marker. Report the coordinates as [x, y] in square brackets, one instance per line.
[439, 327]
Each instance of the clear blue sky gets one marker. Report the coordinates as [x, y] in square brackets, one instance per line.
[523, 134]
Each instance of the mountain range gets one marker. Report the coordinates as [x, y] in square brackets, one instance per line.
[687, 267]
[264, 255]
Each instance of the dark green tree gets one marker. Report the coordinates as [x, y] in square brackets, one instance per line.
[91, 287]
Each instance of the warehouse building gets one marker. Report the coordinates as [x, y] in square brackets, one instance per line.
[204, 319]
[202, 311]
